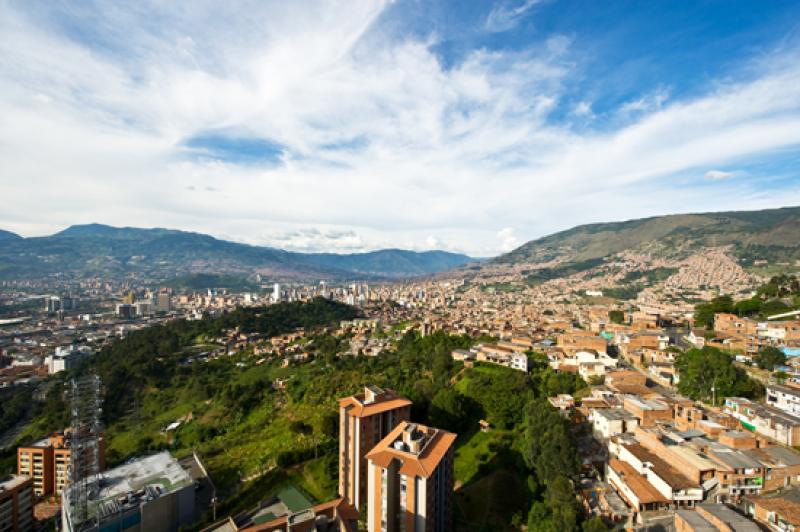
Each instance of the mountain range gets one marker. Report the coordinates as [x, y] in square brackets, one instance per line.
[158, 254]
[749, 237]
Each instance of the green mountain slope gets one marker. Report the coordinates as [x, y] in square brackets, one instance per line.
[94, 249]
[772, 235]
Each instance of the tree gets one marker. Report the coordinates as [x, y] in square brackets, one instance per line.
[769, 357]
[710, 372]
[549, 446]
[564, 508]
[616, 316]
[329, 425]
[502, 394]
[558, 512]
[595, 524]
[704, 312]
[449, 410]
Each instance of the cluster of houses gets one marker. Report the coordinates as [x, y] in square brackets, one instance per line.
[666, 457]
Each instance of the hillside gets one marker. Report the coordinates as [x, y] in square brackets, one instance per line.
[261, 424]
[8, 236]
[684, 257]
[159, 254]
[770, 235]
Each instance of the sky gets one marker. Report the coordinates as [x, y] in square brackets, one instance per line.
[352, 126]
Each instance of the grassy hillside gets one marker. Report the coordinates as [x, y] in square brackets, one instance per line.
[256, 439]
[754, 235]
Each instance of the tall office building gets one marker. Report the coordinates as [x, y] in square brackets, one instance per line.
[276, 292]
[364, 420]
[410, 481]
[16, 504]
[162, 302]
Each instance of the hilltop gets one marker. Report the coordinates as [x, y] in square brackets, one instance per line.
[684, 256]
[159, 254]
[770, 235]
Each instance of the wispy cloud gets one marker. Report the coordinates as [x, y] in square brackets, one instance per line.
[506, 14]
[321, 120]
[719, 175]
[649, 102]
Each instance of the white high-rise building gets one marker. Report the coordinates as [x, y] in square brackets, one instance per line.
[276, 292]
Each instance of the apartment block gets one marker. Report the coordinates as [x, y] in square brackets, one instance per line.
[765, 420]
[411, 480]
[649, 411]
[47, 463]
[365, 420]
[16, 504]
[785, 398]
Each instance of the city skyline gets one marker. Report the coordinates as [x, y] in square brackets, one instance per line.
[359, 126]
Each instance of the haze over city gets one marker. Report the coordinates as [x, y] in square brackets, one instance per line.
[353, 126]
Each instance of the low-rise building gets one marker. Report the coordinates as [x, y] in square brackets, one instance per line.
[649, 411]
[778, 511]
[610, 422]
[711, 518]
[766, 420]
[785, 398]
[150, 494]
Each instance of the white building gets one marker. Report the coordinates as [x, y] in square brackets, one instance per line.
[66, 357]
[784, 397]
[150, 494]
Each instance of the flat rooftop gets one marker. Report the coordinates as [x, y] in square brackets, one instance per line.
[614, 414]
[12, 482]
[161, 469]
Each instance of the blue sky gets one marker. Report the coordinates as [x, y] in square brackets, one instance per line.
[348, 126]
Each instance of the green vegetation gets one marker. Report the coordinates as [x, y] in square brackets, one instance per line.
[769, 357]
[534, 277]
[501, 287]
[624, 292]
[710, 373]
[649, 276]
[257, 439]
[757, 235]
[770, 300]
[616, 316]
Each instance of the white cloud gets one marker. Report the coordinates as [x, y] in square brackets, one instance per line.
[383, 145]
[506, 14]
[649, 102]
[315, 240]
[719, 175]
[583, 109]
[508, 239]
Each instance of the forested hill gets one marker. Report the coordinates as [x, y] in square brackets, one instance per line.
[770, 235]
[152, 357]
[161, 254]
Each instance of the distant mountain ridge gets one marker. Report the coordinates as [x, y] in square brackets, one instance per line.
[102, 250]
[8, 235]
[766, 235]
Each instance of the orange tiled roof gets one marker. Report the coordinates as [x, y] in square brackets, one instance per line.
[359, 409]
[645, 492]
[420, 465]
[785, 508]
